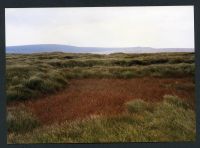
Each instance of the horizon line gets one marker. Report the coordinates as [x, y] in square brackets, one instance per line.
[96, 46]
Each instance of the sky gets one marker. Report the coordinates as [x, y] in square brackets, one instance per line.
[157, 27]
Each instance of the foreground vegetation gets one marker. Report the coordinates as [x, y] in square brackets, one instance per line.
[29, 76]
[169, 120]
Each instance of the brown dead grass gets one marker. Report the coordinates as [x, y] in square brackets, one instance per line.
[86, 97]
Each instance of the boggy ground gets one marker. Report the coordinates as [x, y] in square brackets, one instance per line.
[85, 97]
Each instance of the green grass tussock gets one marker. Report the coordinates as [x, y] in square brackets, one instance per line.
[174, 100]
[34, 84]
[20, 120]
[137, 105]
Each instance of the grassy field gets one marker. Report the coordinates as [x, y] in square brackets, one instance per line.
[67, 98]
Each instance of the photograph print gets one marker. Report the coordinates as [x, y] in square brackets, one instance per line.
[100, 74]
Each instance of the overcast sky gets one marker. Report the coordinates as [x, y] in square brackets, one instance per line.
[159, 27]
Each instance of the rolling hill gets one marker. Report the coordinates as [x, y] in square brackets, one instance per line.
[40, 48]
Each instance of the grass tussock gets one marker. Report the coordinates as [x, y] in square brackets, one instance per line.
[20, 120]
[34, 84]
[136, 106]
[169, 120]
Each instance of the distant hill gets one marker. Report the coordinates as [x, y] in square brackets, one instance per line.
[39, 48]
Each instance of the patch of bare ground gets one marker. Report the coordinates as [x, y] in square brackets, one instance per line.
[85, 97]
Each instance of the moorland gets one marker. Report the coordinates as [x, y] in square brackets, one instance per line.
[91, 98]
